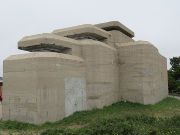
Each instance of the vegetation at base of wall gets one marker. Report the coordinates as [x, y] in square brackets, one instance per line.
[122, 118]
[174, 76]
[132, 125]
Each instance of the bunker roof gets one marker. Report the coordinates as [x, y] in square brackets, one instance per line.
[44, 55]
[45, 42]
[115, 25]
[83, 31]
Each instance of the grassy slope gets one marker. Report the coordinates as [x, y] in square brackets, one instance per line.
[120, 118]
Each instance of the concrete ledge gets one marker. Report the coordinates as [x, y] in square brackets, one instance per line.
[46, 42]
[115, 25]
[135, 43]
[98, 43]
[138, 43]
[44, 55]
[83, 31]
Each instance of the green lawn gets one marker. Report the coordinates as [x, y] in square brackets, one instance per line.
[122, 118]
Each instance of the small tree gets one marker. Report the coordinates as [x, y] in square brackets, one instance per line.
[174, 75]
[175, 63]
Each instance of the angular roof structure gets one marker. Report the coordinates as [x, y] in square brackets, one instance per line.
[62, 39]
[83, 31]
[45, 42]
[115, 25]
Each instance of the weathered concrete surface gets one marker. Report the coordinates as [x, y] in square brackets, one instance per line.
[101, 73]
[119, 32]
[93, 67]
[143, 73]
[117, 38]
[38, 84]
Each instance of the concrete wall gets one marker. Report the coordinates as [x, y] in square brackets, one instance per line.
[35, 86]
[117, 38]
[155, 85]
[102, 71]
[143, 73]
[75, 94]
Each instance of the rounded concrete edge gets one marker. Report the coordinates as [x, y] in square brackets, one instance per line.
[44, 55]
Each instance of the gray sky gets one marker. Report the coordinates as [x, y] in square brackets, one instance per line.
[157, 21]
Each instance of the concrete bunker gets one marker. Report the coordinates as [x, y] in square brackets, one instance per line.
[81, 68]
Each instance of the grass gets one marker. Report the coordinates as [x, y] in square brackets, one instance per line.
[120, 118]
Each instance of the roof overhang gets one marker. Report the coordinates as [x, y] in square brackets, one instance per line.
[45, 42]
[115, 25]
[83, 31]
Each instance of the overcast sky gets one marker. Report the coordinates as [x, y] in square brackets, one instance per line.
[157, 21]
